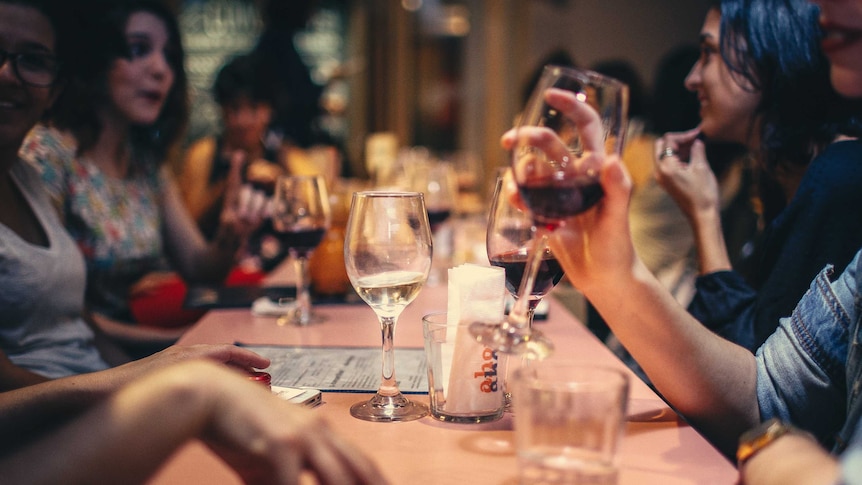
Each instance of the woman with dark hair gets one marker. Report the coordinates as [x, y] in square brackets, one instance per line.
[762, 81]
[103, 154]
[244, 96]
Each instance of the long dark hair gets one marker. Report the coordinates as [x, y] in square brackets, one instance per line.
[102, 41]
[774, 46]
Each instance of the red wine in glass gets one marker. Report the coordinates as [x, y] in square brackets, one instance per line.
[549, 202]
[301, 242]
[550, 271]
[437, 217]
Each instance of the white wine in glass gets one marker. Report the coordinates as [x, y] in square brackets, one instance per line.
[387, 254]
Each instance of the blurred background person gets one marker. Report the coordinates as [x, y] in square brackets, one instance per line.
[244, 92]
[297, 96]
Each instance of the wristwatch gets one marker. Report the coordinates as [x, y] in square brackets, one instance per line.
[760, 437]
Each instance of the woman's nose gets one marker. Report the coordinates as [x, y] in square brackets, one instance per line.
[692, 80]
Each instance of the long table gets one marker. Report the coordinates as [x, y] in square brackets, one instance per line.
[658, 446]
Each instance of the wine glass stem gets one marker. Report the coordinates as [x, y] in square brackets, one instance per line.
[521, 314]
[388, 386]
[303, 298]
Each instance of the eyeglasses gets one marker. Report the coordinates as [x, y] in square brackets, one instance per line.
[39, 70]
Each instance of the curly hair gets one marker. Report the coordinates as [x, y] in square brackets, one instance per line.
[102, 41]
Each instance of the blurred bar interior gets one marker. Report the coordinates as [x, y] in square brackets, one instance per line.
[447, 75]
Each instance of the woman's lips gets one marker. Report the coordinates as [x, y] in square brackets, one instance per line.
[153, 96]
[836, 38]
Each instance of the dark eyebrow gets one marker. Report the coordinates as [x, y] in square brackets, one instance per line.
[34, 47]
[137, 36]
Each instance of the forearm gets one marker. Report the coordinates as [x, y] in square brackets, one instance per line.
[30, 411]
[708, 379]
[195, 258]
[139, 427]
[15, 377]
[709, 238]
[793, 459]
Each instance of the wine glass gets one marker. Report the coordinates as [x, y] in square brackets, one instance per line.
[573, 119]
[387, 253]
[300, 217]
[509, 241]
[438, 183]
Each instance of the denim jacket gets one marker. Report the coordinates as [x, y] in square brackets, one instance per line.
[809, 372]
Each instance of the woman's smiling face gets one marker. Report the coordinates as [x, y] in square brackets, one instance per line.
[726, 107]
[139, 84]
[22, 30]
[842, 43]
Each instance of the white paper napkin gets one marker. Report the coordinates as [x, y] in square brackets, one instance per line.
[476, 294]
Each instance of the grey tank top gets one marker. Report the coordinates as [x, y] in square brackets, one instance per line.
[42, 293]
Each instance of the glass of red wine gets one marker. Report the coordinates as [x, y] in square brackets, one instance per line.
[438, 182]
[573, 120]
[509, 242]
[300, 217]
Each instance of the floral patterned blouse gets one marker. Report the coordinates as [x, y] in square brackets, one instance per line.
[115, 222]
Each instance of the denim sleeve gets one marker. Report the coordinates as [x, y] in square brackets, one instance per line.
[725, 304]
[801, 367]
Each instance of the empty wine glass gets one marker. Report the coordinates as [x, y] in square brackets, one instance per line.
[387, 253]
[300, 217]
[573, 119]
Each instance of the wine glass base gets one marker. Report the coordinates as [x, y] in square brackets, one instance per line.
[299, 319]
[404, 411]
[526, 342]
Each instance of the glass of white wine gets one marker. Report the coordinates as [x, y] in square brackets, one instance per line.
[387, 254]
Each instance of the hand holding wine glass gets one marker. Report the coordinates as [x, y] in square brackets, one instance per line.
[573, 120]
[387, 253]
[300, 217]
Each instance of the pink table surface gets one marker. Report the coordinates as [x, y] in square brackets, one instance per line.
[658, 447]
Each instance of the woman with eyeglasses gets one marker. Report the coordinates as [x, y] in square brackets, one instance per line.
[103, 155]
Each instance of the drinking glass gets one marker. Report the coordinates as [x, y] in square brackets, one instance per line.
[300, 217]
[387, 254]
[509, 240]
[572, 120]
[438, 183]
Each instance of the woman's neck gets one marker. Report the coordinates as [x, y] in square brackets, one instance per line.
[253, 152]
[111, 151]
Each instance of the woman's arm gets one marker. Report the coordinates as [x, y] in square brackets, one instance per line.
[710, 380]
[263, 438]
[194, 257]
[15, 377]
[794, 458]
[694, 187]
[26, 411]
